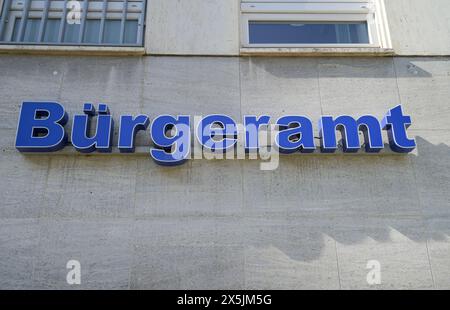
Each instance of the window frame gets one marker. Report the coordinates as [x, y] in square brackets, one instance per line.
[93, 12]
[316, 11]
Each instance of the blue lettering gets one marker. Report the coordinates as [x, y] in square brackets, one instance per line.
[217, 132]
[172, 137]
[41, 127]
[129, 127]
[296, 134]
[396, 125]
[349, 129]
[252, 125]
[102, 140]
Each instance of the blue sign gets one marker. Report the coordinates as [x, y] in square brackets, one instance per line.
[41, 128]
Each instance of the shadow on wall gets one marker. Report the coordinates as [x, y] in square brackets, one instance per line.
[352, 199]
[352, 67]
[288, 225]
[298, 207]
[310, 199]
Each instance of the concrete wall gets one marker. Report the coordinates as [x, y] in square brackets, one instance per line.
[313, 223]
[198, 27]
[211, 27]
[419, 27]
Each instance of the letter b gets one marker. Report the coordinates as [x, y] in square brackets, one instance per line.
[41, 127]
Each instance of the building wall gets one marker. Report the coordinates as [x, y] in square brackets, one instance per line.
[314, 222]
[193, 27]
[419, 27]
[211, 27]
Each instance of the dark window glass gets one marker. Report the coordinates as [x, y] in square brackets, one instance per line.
[52, 30]
[112, 31]
[92, 31]
[71, 33]
[15, 33]
[131, 32]
[31, 30]
[308, 33]
[121, 25]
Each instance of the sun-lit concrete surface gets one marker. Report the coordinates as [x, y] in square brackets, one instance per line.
[212, 27]
[419, 27]
[314, 222]
[193, 27]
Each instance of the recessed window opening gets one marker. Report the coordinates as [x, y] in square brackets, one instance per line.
[298, 32]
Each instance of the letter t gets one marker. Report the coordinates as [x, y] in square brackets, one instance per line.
[396, 124]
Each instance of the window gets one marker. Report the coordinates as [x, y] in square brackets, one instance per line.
[308, 33]
[65, 22]
[314, 23]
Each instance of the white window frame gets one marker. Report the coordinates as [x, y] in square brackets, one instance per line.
[370, 11]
